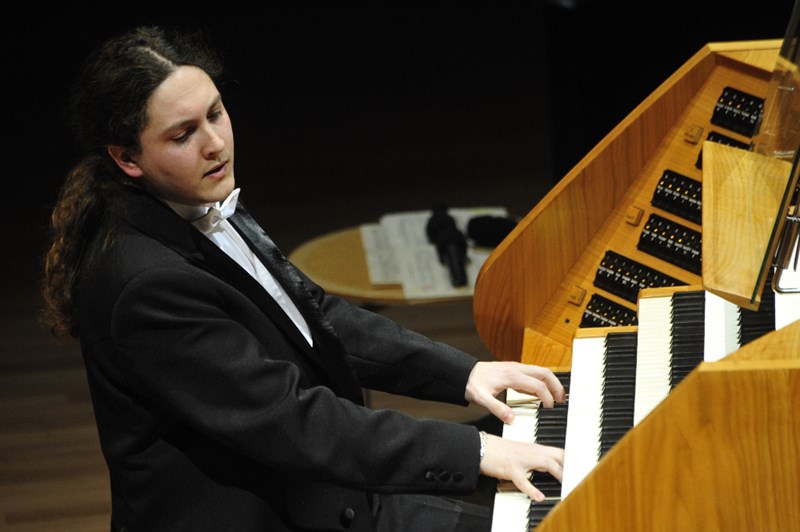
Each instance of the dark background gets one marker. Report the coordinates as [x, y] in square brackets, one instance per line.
[342, 111]
[345, 110]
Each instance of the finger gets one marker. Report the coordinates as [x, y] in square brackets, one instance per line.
[535, 386]
[550, 460]
[499, 409]
[549, 451]
[556, 388]
[526, 486]
[554, 468]
[545, 384]
[554, 385]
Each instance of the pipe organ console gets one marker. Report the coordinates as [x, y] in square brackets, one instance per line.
[682, 406]
[628, 216]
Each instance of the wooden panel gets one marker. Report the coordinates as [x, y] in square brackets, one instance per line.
[745, 201]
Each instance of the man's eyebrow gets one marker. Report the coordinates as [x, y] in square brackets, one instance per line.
[183, 123]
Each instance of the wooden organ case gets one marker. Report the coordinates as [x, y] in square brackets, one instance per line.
[722, 450]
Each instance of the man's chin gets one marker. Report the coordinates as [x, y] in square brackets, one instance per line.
[224, 188]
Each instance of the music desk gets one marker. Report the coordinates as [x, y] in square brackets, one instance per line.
[336, 261]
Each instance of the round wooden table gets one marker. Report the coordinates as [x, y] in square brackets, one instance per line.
[336, 262]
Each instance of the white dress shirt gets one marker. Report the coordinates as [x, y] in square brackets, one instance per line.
[217, 228]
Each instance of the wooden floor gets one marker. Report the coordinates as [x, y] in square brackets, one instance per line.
[52, 475]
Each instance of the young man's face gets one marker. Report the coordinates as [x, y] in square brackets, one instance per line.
[187, 145]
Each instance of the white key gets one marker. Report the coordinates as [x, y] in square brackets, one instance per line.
[653, 354]
[510, 510]
[721, 328]
[582, 445]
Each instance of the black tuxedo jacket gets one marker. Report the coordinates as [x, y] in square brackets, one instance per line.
[214, 413]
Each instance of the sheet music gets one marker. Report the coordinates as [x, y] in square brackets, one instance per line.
[381, 262]
[398, 252]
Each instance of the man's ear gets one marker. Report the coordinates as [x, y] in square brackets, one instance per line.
[123, 159]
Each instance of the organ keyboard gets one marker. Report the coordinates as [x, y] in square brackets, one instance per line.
[741, 463]
[601, 401]
[699, 326]
[513, 510]
[662, 318]
[620, 374]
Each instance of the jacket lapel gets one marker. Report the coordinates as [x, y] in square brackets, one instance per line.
[222, 266]
[159, 221]
[329, 350]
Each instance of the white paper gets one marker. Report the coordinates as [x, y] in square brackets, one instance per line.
[398, 252]
[381, 262]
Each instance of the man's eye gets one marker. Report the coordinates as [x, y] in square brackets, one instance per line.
[213, 116]
[183, 137]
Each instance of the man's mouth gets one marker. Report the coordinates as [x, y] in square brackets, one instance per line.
[217, 171]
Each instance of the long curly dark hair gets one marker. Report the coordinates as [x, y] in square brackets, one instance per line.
[108, 107]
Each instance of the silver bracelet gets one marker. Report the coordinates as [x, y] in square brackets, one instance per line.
[484, 437]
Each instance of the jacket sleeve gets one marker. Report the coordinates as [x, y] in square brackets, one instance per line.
[181, 344]
[391, 358]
